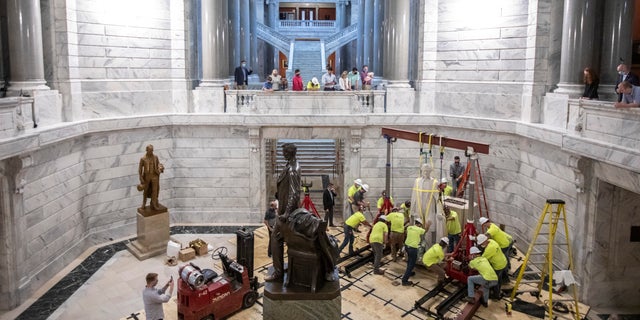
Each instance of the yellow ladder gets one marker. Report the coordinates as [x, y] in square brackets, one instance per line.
[552, 213]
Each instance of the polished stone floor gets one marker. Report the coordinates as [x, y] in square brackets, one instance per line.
[106, 283]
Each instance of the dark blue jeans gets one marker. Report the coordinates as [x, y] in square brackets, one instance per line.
[507, 254]
[453, 240]
[412, 257]
[348, 238]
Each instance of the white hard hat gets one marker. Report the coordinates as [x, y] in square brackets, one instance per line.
[474, 250]
[358, 182]
[444, 180]
[418, 220]
[365, 187]
[483, 220]
[382, 217]
[315, 82]
[481, 238]
[445, 240]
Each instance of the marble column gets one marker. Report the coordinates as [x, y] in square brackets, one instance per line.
[360, 40]
[617, 39]
[376, 59]
[273, 23]
[578, 41]
[234, 33]
[253, 61]
[395, 43]
[214, 43]
[209, 96]
[341, 14]
[368, 34]
[24, 28]
[245, 31]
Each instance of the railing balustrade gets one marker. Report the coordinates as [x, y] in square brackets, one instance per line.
[305, 102]
[307, 23]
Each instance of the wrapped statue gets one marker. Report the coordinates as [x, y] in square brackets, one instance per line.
[425, 204]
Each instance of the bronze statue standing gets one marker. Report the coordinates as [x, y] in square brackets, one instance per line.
[149, 171]
[289, 186]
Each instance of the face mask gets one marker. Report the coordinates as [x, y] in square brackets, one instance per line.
[621, 73]
[244, 65]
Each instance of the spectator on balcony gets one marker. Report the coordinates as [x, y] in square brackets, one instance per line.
[242, 75]
[298, 85]
[354, 78]
[366, 84]
[329, 80]
[630, 95]
[276, 80]
[363, 74]
[590, 84]
[344, 83]
[268, 85]
[313, 84]
[624, 74]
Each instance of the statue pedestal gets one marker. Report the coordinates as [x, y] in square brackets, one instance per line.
[153, 233]
[299, 303]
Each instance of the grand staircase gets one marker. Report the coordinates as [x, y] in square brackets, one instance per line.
[308, 55]
[308, 58]
[320, 162]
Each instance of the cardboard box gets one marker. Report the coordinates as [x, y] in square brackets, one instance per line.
[187, 254]
[200, 246]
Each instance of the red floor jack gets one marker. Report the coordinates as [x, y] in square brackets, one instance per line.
[306, 201]
[458, 268]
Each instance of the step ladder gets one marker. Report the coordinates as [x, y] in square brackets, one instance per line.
[547, 226]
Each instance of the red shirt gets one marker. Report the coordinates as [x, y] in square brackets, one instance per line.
[297, 83]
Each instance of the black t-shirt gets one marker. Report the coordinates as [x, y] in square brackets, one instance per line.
[270, 216]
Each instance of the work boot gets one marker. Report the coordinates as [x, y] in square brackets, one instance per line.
[380, 272]
[469, 300]
[408, 283]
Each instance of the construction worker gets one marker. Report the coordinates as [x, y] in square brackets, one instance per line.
[445, 188]
[406, 209]
[358, 198]
[380, 202]
[414, 237]
[349, 225]
[502, 238]
[434, 256]
[491, 251]
[453, 227]
[456, 171]
[486, 278]
[397, 232]
[377, 239]
[357, 184]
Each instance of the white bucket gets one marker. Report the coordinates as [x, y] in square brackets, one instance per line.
[173, 248]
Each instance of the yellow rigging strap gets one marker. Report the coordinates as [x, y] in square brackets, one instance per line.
[424, 214]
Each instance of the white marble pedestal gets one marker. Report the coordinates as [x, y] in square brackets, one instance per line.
[153, 233]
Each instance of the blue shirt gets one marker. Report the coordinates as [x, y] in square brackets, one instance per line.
[267, 86]
[634, 97]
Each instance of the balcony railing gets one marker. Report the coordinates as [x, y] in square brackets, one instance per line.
[305, 102]
[307, 23]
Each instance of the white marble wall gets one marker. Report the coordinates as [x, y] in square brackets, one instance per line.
[478, 58]
[119, 57]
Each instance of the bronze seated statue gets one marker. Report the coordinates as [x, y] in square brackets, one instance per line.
[312, 253]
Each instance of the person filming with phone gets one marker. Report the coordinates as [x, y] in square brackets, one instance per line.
[153, 297]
